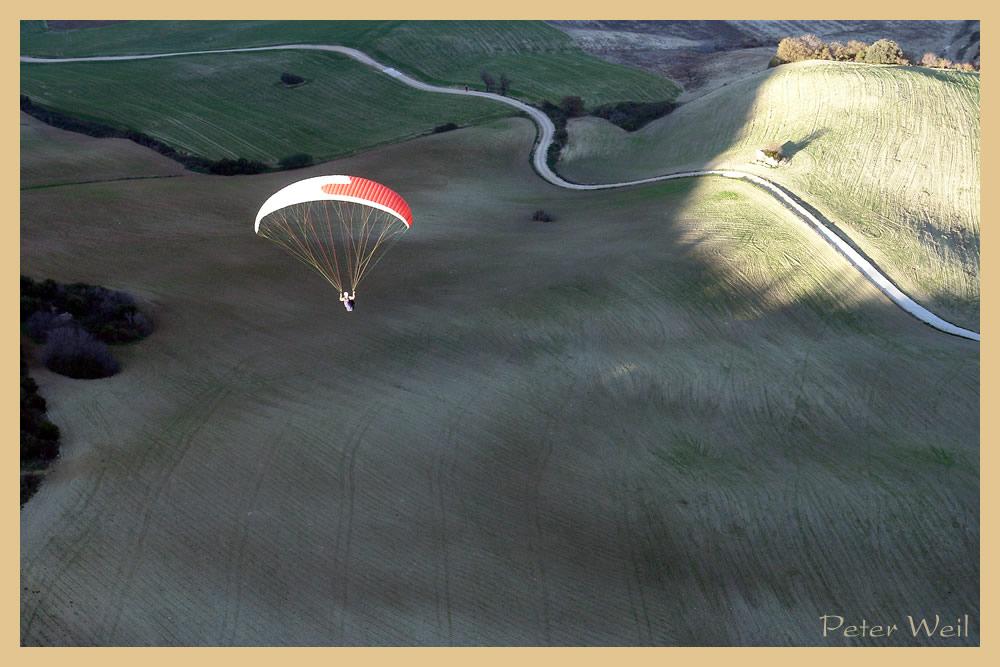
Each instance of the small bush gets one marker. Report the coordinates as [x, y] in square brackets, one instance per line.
[73, 352]
[296, 161]
[28, 384]
[29, 485]
[774, 62]
[30, 304]
[290, 79]
[229, 167]
[794, 49]
[35, 450]
[572, 105]
[630, 116]
[542, 216]
[774, 150]
[131, 326]
[447, 127]
[43, 321]
[48, 431]
[883, 52]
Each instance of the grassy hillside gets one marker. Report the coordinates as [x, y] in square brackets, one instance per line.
[541, 61]
[671, 416]
[890, 154]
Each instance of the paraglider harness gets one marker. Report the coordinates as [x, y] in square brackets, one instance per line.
[348, 301]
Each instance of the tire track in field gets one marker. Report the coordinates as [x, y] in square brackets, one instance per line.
[536, 532]
[50, 578]
[441, 520]
[205, 408]
[627, 538]
[441, 472]
[539, 162]
[345, 517]
[240, 550]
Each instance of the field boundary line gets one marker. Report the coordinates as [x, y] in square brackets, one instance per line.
[539, 161]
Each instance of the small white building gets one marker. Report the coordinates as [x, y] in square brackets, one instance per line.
[770, 160]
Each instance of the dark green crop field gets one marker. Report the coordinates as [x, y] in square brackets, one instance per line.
[540, 61]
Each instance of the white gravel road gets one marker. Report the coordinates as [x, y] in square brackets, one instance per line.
[546, 132]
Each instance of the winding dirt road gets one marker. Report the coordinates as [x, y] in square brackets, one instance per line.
[546, 132]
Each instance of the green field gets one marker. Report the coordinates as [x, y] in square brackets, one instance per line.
[890, 154]
[639, 424]
[541, 61]
[234, 105]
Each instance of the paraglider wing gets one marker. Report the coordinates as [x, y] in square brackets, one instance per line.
[340, 226]
[342, 188]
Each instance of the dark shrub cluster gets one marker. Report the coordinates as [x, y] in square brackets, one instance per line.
[76, 321]
[290, 79]
[447, 127]
[542, 216]
[630, 116]
[570, 106]
[73, 352]
[296, 161]
[111, 316]
[240, 166]
[41, 322]
[39, 436]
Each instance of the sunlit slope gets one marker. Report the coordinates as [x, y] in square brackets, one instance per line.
[891, 155]
[234, 105]
[540, 61]
[671, 416]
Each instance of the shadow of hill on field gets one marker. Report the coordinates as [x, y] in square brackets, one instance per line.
[617, 428]
[898, 185]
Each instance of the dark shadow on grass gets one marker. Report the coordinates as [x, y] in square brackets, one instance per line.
[790, 148]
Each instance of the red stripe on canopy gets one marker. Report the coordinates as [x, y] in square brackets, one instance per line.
[371, 191]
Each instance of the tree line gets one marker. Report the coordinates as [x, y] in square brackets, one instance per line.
[630, 116]
[879, 52]
[223, 167]
[39, 436]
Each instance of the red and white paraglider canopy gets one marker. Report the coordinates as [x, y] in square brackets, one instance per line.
[340, 226]
[339, 188]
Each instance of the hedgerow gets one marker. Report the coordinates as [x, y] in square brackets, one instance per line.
[225, 166]
[39, 436]
[880, 52]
